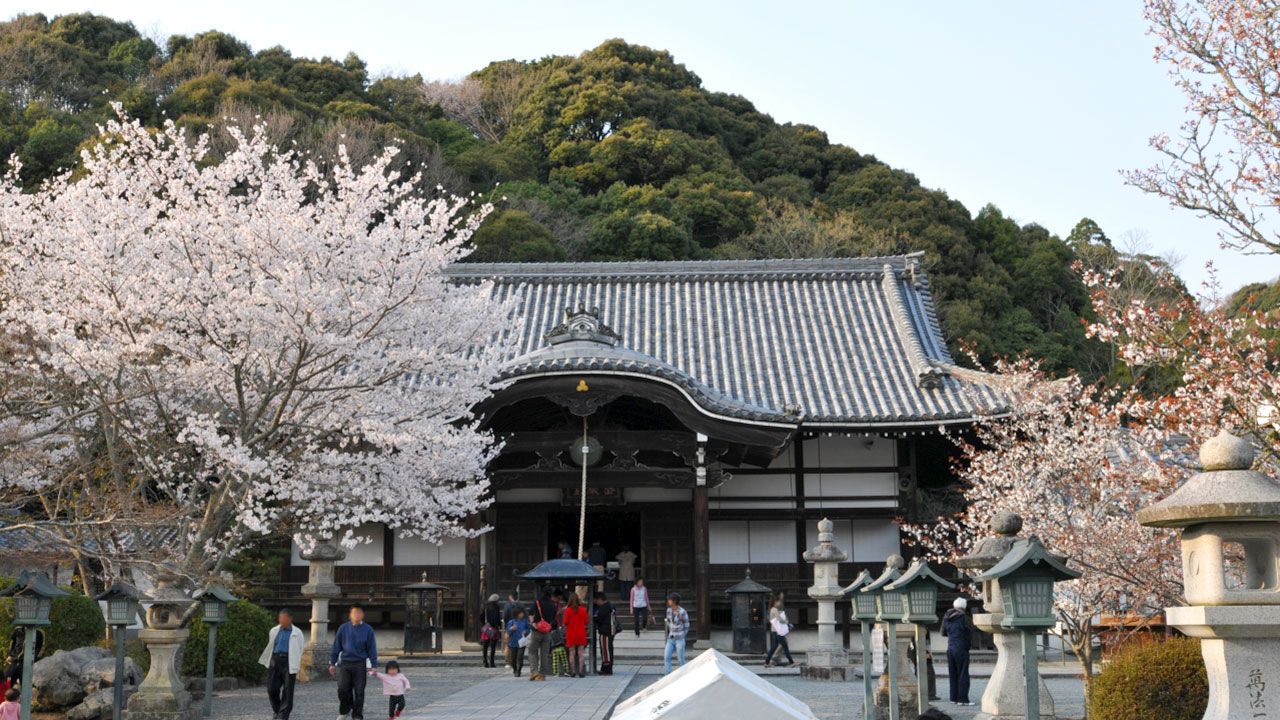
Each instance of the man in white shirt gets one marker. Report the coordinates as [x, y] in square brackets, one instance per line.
[640, 606]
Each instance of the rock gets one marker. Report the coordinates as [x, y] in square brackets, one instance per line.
[55, 680]
[101, 673]
[97, 705]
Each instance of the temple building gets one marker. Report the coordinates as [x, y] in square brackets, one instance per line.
[721, 408]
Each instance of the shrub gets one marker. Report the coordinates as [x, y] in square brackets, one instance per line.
[75, 622]
[1155, 681]
[240, 642]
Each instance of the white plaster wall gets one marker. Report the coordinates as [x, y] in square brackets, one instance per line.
[415, 551]
[753, 485]
[875, 539]
[752, 541]
[843, 532]
[854, 451]
[365, 554]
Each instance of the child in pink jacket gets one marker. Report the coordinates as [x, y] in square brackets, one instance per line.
[394, 686]
[11, 709]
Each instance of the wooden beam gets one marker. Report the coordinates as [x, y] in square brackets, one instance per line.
[471, 583]
[702, 563]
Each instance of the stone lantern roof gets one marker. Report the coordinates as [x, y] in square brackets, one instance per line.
[1227, 490]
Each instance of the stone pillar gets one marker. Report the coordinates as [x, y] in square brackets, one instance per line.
[1006, 695]
[907, 685]
[163, 694]
[1234, 606]
[828, 659]
[321, 589]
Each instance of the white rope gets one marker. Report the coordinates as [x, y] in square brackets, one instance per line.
[582, 513]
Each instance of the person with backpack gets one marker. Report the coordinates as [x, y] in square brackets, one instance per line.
[606, 619]
[779, 629]
[543, 617]
[490, 631]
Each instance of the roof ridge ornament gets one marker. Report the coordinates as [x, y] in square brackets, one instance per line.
[582, 323]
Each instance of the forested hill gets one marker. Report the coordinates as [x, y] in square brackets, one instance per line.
[617, 153]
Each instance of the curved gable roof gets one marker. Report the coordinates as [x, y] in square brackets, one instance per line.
[849, 342]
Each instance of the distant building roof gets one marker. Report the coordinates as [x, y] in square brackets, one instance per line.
[849, 343]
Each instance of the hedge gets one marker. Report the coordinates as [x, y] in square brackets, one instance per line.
[75, 622]
[1163, 680]
[240, 642]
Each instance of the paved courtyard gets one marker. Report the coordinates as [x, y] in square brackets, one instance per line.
[473, 693]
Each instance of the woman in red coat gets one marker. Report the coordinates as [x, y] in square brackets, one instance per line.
[575, 634]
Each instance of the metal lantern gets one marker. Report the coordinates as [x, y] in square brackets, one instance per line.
[919, 586]
[864, 604]
[123, 603]
[423, 604]
[215, 599]
[749, 600]
[33, 596]
[1026, 577]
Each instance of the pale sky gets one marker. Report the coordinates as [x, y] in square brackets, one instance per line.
[1032, 106]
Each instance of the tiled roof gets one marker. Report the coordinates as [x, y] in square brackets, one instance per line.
[850, 342]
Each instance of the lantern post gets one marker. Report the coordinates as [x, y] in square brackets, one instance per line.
[889, 611]
[1025, 578]
[215, 600]
[864, 610]
[919, 586]
[33, 597]
[122, 602]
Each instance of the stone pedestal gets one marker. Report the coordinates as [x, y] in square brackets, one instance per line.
[321, 589]
[163, 694]
[1241, 649]
[906, 679]
[827, 659]
[1006, 695]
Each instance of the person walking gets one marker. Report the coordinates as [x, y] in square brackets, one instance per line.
[394, 687]
[490, 631]
[639, 606]
[677, 623]
[779, 629]
[518, 632]
[575, 635]
[958, 629]
[543, 620]
[606, 620]
[282, 657]
[508, 614]
[17, 650]
[355, 650]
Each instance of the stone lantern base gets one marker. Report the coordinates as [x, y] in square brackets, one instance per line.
[907, 684]
[1005, 697]
[1240, 645]
[826, 664]
[162, 694]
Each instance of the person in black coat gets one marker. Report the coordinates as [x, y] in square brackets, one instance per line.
[605, 615]
[958, 629]
[490, 630]
[17, 647]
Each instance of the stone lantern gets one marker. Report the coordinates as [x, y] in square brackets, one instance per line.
[897, 682]
[163, 694]
[828, 659]
[33, 597]
[864, 611]
[749, 601]
[321, 589]
[1229, 516]
[1005, 697]
[1025, 577]
[919, 587]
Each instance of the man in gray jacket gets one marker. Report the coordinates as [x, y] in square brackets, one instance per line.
[283, 658]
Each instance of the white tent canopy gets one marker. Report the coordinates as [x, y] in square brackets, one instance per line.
[712, 686]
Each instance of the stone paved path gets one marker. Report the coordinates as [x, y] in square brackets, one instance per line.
[511, 698]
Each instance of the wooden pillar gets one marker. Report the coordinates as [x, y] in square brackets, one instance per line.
[702, 563]
[471, 599]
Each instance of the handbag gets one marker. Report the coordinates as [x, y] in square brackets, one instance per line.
[523, 640]
[488, 632]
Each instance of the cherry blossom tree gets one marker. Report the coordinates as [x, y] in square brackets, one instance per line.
[198, 354]
[1224, 161]
[1063, 460]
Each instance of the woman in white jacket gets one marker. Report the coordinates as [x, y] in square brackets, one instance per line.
[283, 659]
[779, 629]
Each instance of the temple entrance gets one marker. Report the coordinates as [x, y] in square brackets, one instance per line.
[613, 529]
